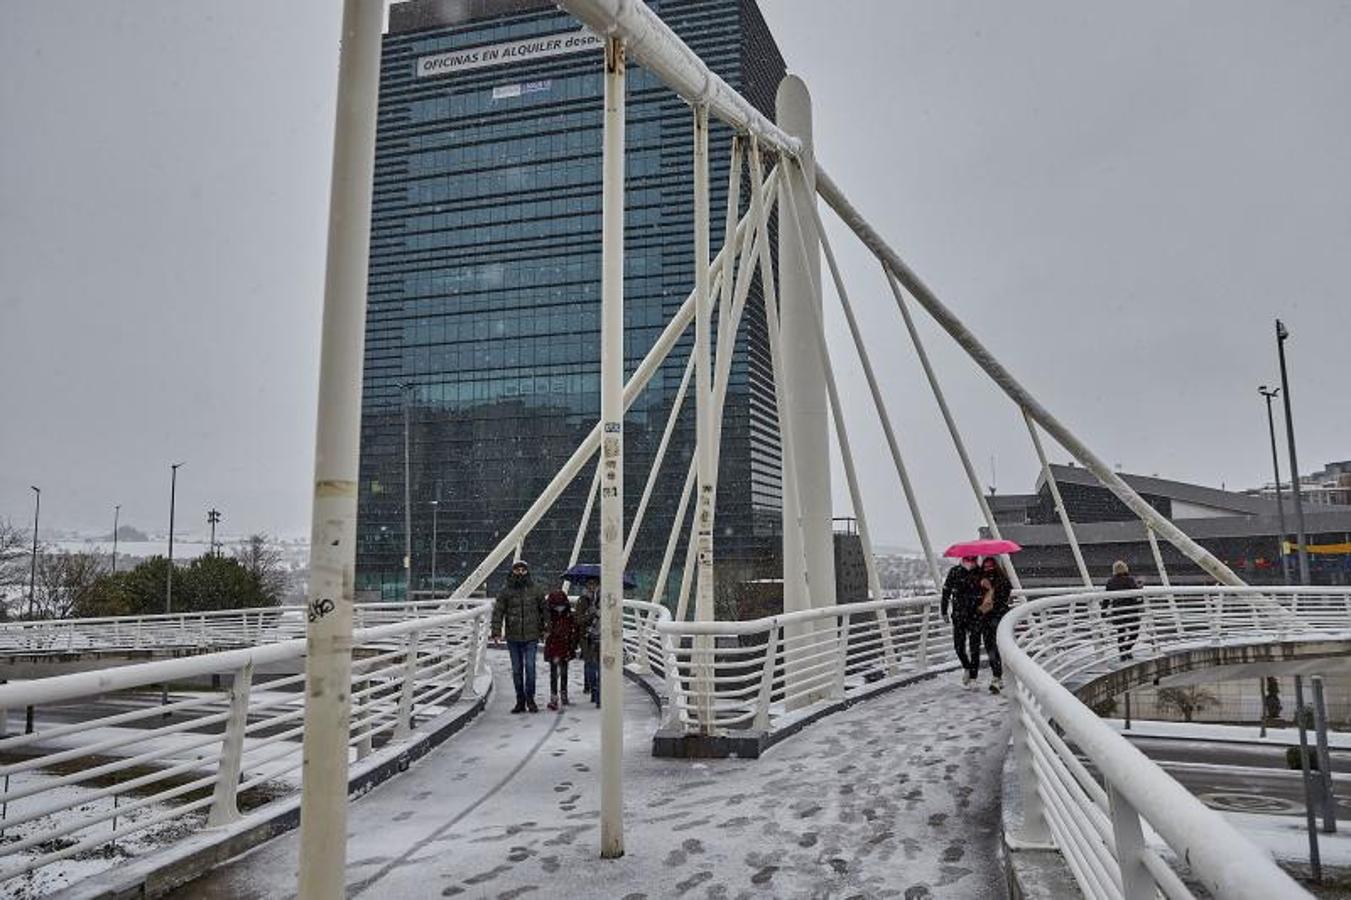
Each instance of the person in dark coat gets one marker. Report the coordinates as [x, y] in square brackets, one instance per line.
[1124, 611]
[560, 641]
[961, 593]
[519, 616]
[588, 614]
[995, 592]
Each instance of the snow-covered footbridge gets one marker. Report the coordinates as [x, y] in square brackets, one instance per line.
[377, 729]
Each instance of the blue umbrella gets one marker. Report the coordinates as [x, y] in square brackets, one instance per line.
[583, 571]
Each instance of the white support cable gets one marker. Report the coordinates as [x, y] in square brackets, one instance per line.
[837, 414]
[906, 486]
[733, 207]
[1004, 379]
[677, 528]
[1158, 557]
[760, 210]
[1059, 503]
[586, 518]
[657, 461]
[951, 423]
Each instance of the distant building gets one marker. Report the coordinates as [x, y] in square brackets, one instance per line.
[1331, 485]
[1241, 529]
[484, 289]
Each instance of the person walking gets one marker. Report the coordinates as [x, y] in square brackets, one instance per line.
[519, 616]
[961, 593]
[588, 613]
[995, 592]
[560, 641]
[1124, 611]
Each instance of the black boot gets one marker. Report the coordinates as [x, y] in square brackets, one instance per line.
[519, 707]
[530, 705]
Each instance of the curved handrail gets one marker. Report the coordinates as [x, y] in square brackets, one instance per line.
[1044, 642]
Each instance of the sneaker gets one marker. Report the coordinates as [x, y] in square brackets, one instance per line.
[967, 678]
[518, 708]
[530, 705]
[553, 703]
[996, 685]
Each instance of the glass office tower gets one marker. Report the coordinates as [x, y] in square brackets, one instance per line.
[484, 297]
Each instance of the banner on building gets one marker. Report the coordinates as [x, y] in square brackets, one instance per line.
[527, 50]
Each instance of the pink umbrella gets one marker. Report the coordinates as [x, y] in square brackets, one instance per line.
[981, 548]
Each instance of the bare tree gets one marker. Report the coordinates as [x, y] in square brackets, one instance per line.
[14, 552]
[1188, 701]
[64, 581]
[263, 562]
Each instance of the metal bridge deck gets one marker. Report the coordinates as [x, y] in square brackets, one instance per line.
[898, 797]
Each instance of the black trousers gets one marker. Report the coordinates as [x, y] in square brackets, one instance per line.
[558, 677]
[964, 637]
[1126, 618]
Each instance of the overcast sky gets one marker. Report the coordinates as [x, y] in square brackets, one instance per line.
[1118, 198]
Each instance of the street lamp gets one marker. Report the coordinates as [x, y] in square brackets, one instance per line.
[405, 391]
[169, 585]
[1281, 335]
[436, 508]
[117, 512]
[33, 574]
[1276, 466]
[212, 519]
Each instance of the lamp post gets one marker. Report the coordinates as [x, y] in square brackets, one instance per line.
[117, 512]
[436, 508]
[1276, 466]
[1281, 335]
[213, 519]
[169, 585]
[33, 573]
[405, 390]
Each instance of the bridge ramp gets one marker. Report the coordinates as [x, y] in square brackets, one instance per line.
[896, 797]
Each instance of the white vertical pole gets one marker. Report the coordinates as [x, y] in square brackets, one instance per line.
[612, 456]
[804, 381]
[328, 667]
[1059, 503]
[703, 376]
[950, 422]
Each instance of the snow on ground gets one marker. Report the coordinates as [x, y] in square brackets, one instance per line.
[1287, 838]
[1204, 731]
[64, 872]
[897, 797]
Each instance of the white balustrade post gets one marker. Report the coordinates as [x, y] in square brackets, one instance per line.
[766, 693]
[922, 657]
[842, 654]
[404, 725]
[224, 809]
[1136, 882]
[1034, 831]
[644, 623]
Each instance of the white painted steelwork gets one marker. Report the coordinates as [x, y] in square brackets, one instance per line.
[1051, 645]
[106, 760]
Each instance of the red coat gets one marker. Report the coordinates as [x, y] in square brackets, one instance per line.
[562, 633]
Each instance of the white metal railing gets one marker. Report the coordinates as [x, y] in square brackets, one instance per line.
[763, 674]
[1087, 790]
[217, 629]
[177, 745]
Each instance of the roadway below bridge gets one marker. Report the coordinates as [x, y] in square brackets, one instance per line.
[895, 797]
[1243, 777]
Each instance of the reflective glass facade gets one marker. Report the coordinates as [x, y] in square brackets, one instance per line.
[485, 293]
